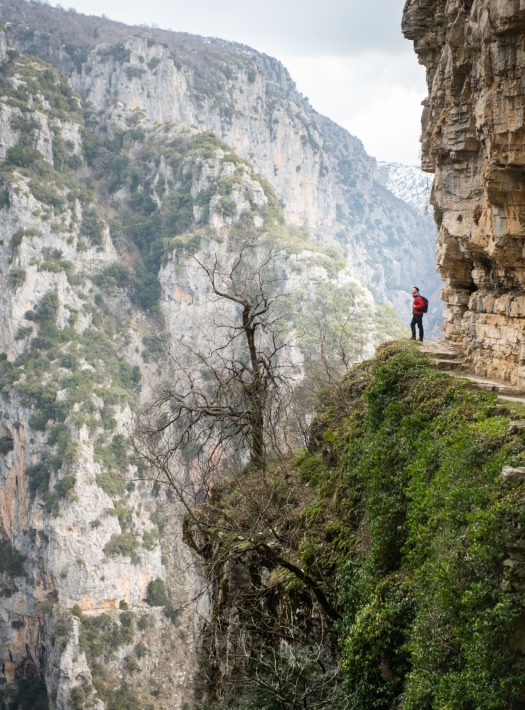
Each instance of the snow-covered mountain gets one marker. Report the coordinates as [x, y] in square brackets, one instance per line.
[408, 182]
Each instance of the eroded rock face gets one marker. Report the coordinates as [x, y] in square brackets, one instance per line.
[473, 140]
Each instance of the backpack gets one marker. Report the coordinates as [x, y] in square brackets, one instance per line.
[425, 308]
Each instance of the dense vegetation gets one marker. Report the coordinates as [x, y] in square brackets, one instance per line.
[397, 513]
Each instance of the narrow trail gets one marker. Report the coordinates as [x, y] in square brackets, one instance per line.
[450, 358]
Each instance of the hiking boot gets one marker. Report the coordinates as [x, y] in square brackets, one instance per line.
[420, 340]
[413, 337]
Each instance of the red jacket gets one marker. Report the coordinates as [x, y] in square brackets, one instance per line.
[417, 305]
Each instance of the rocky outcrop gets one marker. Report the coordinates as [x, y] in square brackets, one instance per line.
[472, 139]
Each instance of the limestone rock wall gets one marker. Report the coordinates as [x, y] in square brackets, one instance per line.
[473, 140]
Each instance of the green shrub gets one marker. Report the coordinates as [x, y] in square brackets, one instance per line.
[111, 483]
[143, 203]
[123, 545]
[6, 445]
[140, 650]
[92, 227]
[147, 287]
[65, 487]
[23, 157]
[48, 604]
[38, 476]
[70, 361]
[153, 63]
[171, 613]
[178, 208]
[47, 195]
[117, 52]
[59, 437]
[17, 277]
[54, 262]
[135, 72]
[123, 514]
[226, 207]
[108, 418]
[17, 237]
[77, 697]
[23, 333]
[130, 664]
[143, 622]
[156, 593]
[60, 627]
[115, 275]
[124, 606]
[11, 561]
[149, 539]
[45, 316]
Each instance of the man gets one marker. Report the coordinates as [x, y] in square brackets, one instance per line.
[418, 304]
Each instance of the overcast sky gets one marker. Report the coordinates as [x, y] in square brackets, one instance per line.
[347, 56]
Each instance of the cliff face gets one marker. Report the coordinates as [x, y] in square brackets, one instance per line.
[77, 531]
[321, 174]
[473, 141]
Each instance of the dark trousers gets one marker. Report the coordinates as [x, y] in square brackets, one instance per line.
[417, 319]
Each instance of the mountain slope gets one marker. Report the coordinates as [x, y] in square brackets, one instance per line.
[321, 174]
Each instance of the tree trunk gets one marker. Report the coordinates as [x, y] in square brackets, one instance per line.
[256, 395]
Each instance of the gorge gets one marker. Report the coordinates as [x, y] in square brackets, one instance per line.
[378, 560]
[126, 151]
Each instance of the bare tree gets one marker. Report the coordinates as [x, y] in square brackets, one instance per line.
[230, 378]
[227, 405]
[237, 399]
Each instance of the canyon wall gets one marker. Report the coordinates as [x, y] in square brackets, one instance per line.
[473, 140]
[321, 174]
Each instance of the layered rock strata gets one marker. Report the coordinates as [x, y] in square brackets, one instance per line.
[473, 140]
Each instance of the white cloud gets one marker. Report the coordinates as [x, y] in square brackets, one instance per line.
[341, 27]
[376, 96]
